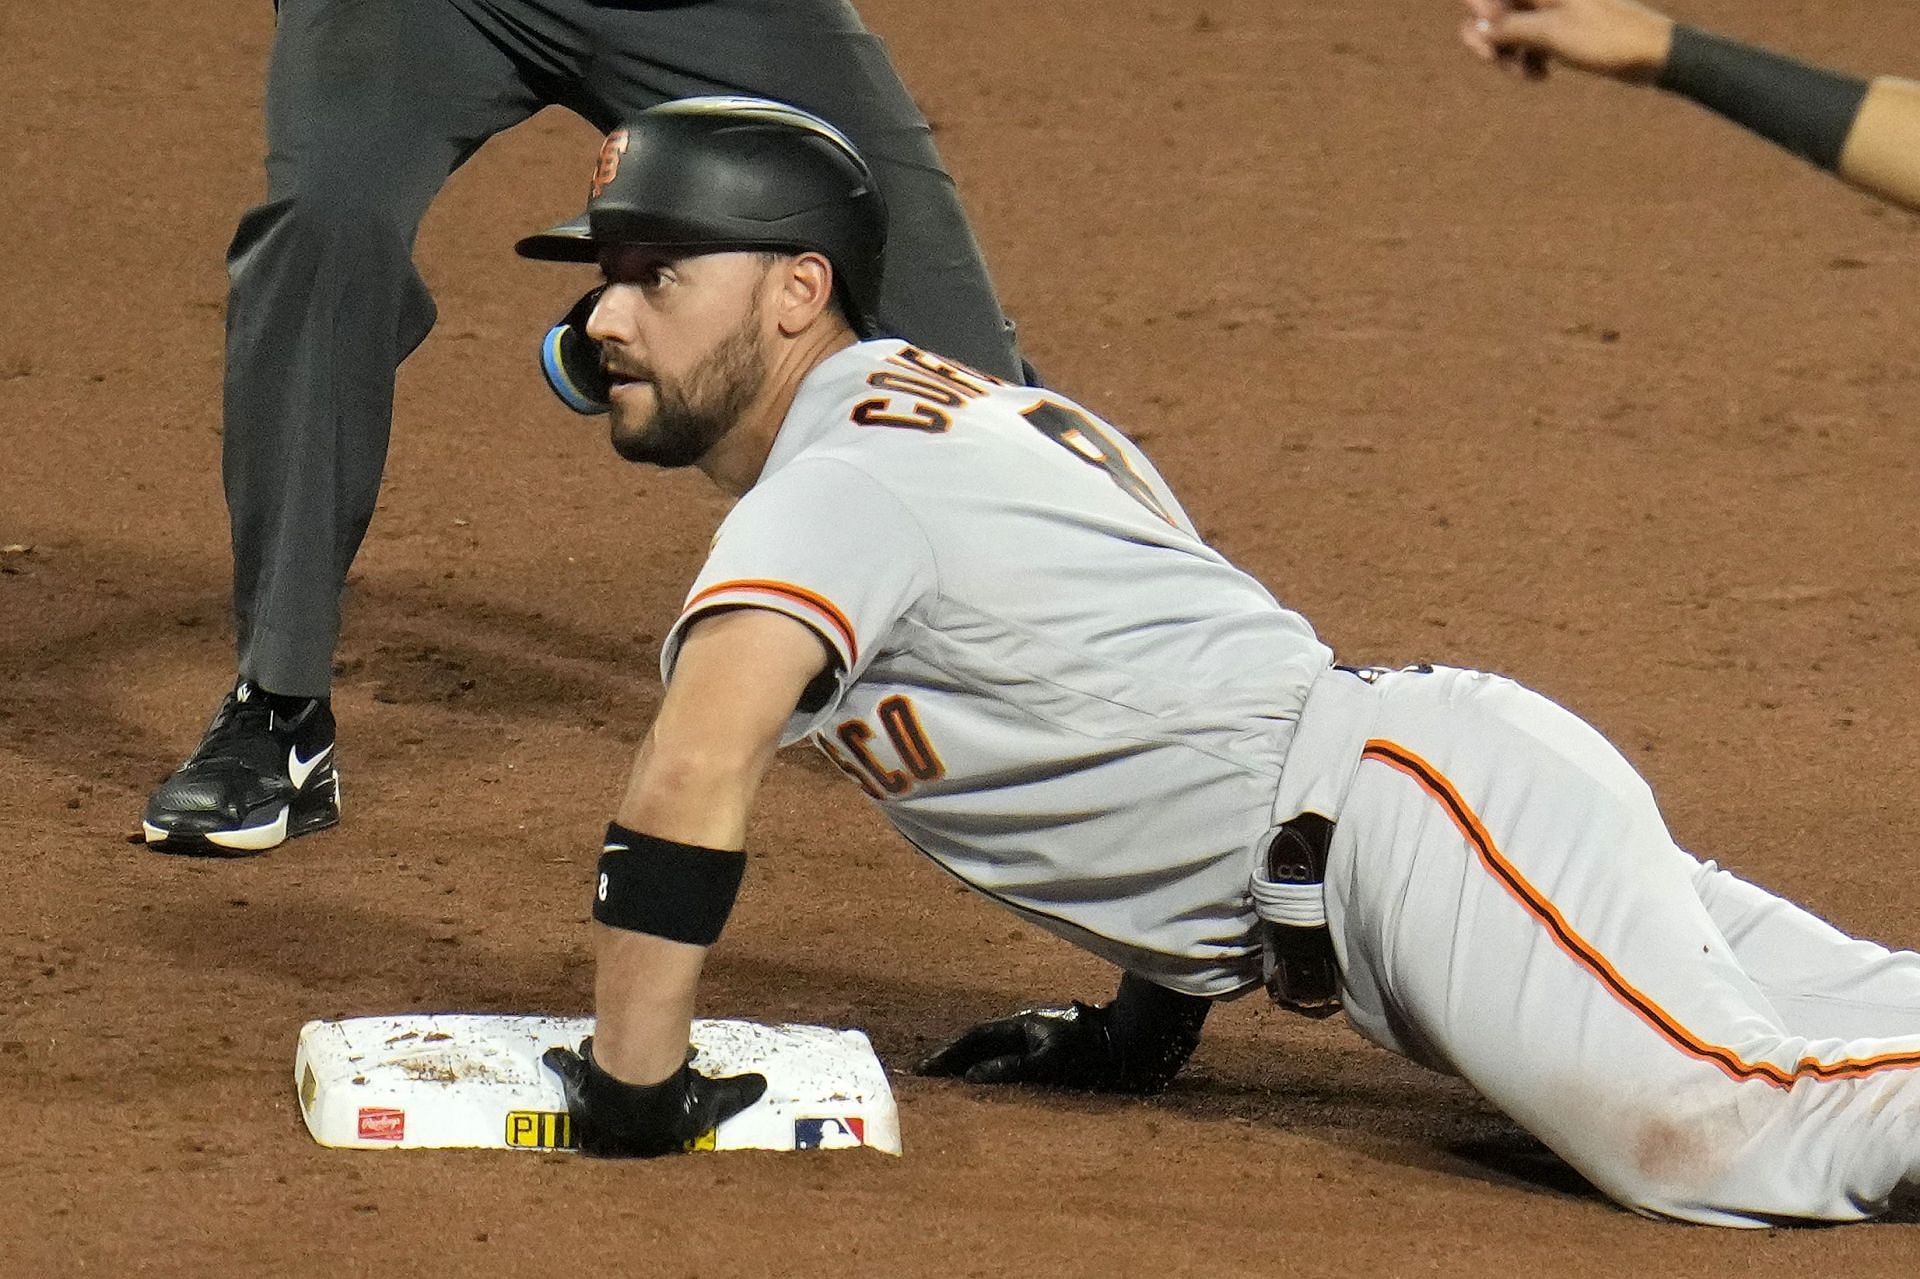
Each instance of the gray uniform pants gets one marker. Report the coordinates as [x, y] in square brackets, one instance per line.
[371, 104]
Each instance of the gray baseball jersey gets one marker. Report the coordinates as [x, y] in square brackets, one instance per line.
[1057, 691]
[1049, 683]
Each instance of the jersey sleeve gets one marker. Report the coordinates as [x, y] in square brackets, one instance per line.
[822, 542]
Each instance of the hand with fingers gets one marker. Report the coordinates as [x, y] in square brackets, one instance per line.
[1618, 38]
[1136, 1044]
[1056, 1047]
[614, 1119]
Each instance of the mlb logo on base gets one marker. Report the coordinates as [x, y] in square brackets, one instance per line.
[839, 1132]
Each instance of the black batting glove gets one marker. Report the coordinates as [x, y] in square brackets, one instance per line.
[1059, 1047]
[571, 360]
[1136, 1044]
[613, 1119]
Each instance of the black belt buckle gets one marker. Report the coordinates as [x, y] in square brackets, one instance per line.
[1305, 976]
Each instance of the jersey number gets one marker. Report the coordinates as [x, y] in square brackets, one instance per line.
[1077, 433]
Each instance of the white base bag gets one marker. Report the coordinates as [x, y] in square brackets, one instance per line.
[437, 1080]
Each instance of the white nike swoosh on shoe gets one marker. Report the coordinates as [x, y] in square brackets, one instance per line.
[300, 769]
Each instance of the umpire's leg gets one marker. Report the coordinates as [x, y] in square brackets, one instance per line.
[370, 105]
[816, 55]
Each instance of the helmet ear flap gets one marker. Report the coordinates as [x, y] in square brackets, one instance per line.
[571, 360]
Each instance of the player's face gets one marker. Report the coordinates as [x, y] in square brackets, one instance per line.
[683, 349]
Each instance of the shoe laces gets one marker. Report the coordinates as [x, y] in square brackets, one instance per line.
[240, 720]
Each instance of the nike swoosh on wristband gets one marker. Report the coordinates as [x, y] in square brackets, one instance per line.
[300, 769]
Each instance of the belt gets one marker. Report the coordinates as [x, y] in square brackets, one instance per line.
[1300, 970]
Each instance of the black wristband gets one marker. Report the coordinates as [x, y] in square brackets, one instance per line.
[681, 892]
[1806, 109]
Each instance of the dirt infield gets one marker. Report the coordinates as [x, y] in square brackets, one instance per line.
[1566, 382]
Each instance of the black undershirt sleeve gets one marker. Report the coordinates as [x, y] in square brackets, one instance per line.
[1806, 109]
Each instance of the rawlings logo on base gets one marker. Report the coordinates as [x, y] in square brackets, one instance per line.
[377, 1123]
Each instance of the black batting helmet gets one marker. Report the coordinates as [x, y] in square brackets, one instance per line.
[723, 173]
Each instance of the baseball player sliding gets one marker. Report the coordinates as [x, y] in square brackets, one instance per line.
[986, 607]
[1867, 132]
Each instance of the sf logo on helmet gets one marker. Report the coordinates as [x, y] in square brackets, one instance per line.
[609, 166]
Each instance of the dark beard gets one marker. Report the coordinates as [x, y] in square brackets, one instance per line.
[692, 416]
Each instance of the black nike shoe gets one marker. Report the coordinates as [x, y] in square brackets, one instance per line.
[263, 774]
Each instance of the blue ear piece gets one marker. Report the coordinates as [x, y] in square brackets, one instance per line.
[571, 360]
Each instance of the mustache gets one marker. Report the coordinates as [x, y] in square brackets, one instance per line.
[615, 365]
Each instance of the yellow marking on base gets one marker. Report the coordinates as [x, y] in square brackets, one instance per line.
[539, 1130]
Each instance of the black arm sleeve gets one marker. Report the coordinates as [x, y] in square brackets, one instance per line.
[1806, 109]
[1152, 1031]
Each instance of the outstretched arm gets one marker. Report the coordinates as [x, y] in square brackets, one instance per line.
[1868, 132]
[672, 864]
[737, 679]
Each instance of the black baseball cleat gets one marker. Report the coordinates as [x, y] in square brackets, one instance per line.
[263, 774]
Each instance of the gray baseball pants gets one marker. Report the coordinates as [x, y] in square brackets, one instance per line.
[371, 104]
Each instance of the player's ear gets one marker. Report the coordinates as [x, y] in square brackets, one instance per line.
[805, 291]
